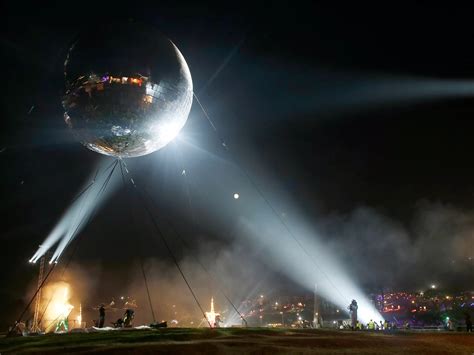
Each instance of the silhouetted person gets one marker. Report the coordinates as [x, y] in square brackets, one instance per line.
[128, 317]
[468, 322]
[353, 311]
[101, 316]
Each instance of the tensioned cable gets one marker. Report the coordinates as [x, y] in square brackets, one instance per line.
[200, 263]
[31, 300]
[224, 63]
[88, 218]
[101, 190]
[187, 246]
[90, 184]
[132, 221]
[168, 248]
[260, 192]
[46, 278]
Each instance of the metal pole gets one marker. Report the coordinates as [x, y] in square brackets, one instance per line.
[36, 326]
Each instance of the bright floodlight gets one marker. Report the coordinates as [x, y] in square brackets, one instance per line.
[236, 196]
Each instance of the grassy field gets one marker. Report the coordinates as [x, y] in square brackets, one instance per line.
[242, 341]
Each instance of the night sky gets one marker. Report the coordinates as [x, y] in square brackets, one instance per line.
[294, 100]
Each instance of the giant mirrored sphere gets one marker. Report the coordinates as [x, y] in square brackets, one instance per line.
[128, 89]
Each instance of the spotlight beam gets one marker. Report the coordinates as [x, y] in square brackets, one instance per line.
[85, 218]
[75, 217]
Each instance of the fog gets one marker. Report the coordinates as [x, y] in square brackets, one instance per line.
[355, 253]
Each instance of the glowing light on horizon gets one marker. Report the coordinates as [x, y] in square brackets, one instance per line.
[79, 317]
[212, 315]
[58, 295]
[335, 283]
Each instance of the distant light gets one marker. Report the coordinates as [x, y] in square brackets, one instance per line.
[261, 296]
[433, 286]
[299, 318]
[276, 303]
[236, 196]
[121, 297]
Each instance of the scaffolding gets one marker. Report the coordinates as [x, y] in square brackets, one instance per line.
[35, 327]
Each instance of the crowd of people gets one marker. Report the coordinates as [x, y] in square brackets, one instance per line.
[385, 325]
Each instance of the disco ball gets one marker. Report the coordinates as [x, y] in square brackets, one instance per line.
[128, 90]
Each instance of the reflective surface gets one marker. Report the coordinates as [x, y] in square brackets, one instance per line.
[128, 90]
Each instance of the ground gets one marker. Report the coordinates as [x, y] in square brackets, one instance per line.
[242, 341]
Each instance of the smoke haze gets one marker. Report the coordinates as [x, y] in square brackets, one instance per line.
[372, 249]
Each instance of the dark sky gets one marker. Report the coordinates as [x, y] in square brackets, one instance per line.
[293, 102]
